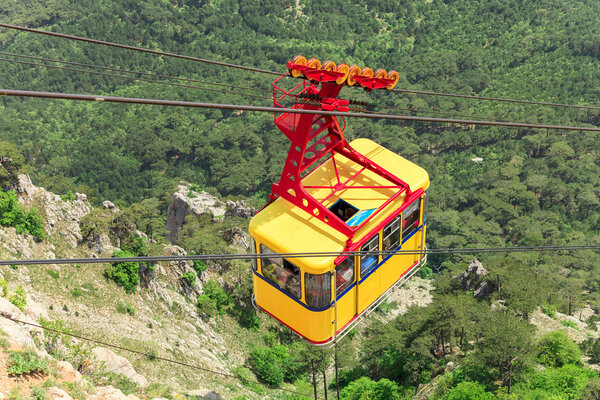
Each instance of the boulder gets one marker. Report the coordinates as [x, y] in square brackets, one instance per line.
[110, 393]
[55, 393]
[239, 209]
[19, 334]
[205, 394]
[117, 364]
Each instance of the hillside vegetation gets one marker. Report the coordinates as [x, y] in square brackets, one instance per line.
[532, 187]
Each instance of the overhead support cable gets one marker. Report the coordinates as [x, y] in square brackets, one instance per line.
[500, 99]
[140, 49]
[132, 72]
[222, 257]
[237, 107]
[150, 356]
[256, 96]
[230, 65]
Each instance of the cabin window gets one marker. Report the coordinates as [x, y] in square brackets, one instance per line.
[318, 289]
[391, 235]
[254, 251]
[411, 216]
[344, 275]
[281, 272]
[368, 261]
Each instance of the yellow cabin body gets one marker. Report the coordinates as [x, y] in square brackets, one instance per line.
[299, 291]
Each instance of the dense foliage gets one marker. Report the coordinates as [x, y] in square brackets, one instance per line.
[530, 187]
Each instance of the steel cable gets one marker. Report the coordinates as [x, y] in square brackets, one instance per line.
[150, 356]
[133, 72]
[237, 107]
[253, 256]
[134, 78]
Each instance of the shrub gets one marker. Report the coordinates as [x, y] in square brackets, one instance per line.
[557, 349]
[13, 214]
[189, 277]
[264, 364]
[594, 350]
[26, 362]
[19, 299]
[425, 273]
[4, 287]
[38, 393]
[77, 292]
[69, 196]
[125, 308]
[200, 266]
[62, 347]
[53, 273]
[124, 274]
[214, 300]
[570, 324]
[549, 310]
[274, 365]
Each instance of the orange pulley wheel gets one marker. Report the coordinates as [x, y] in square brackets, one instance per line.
[344, 69]
[300, 60]
[395, 76]
[328, 66]
[381, 74]
[366, 71]
[314, 63]
[354, 70]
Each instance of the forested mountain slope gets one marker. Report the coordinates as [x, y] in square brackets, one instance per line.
[533, 187]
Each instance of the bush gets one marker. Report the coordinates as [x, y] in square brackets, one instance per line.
[189, 277]
[13, 214]
[549, 310]
[62, 347]
[214, 300]
[199, 266]
[263, 362]
[274, 365]
[125, 308]
[38, 393]
[594, 350]
[53, 273]
[26, 362]
[19, 299]
[425, 273]
[124, 274]
[557, 349]
[4, 287]
[569, 324]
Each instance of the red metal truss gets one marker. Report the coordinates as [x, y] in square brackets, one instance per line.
[317, 137]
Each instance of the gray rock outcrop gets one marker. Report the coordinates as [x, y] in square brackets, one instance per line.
[471, 279]
[61, 217]
[186, 201]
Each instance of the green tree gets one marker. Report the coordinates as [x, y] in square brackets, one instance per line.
[556, 349]
[506, 346]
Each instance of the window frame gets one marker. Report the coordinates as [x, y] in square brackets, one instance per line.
[288, 271]
[366, 247]
[398, 222]
[347, 282]
[322, 292]
[414, 224]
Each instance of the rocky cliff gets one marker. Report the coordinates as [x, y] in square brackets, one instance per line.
[160, 318]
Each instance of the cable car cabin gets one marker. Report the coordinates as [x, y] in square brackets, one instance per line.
[299, 291]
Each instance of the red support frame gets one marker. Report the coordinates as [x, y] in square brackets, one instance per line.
[317, 137]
